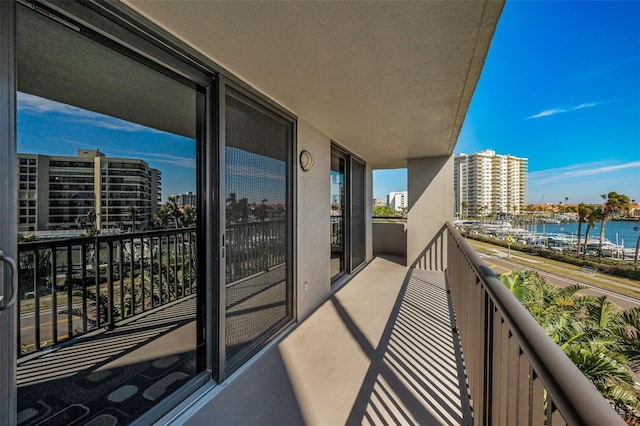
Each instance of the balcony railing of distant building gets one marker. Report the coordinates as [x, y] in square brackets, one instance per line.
[73, 286]
[516, 374]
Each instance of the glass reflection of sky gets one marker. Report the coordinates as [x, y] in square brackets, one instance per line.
[52, 128]
[255, 177]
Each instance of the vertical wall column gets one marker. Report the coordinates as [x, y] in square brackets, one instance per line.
[430, 187]
[313, 221]
[368, 198]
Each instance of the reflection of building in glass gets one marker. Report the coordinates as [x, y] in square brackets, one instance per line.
[398, 200]
[186, 199]
[54, 191]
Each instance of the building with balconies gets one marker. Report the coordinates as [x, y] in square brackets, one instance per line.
[303, 311]
[54, 191]
[489, 184]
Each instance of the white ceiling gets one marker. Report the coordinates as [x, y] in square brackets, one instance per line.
[389, 80]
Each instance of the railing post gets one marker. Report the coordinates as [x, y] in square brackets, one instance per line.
[96, 271]
[36, 262]
[110, 290]
[54, 294]
[69, 292]
[83, 266]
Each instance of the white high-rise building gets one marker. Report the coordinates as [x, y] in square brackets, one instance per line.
[398, 200]
[489, 184]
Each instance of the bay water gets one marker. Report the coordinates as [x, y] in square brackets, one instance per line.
[618, 232]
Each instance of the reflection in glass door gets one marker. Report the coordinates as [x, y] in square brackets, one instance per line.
[259, 287]
[358, 217]
[110, 290]
[338, 214]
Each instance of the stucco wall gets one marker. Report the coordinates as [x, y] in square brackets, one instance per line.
[430, 186]
[390, 238]
[312, 266]
[368, 190]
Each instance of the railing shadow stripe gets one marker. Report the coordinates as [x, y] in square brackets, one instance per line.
[422, 384]
[415, 372]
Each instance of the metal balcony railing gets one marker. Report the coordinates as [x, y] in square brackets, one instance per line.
[516, 374]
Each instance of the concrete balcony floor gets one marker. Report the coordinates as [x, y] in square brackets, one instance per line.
[379, 351]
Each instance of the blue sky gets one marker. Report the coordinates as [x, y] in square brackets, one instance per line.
[51, 128]
[561, 87]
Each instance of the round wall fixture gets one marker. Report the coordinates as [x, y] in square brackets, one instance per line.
[306, 160]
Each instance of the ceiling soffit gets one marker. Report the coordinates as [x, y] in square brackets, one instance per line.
[388, 80]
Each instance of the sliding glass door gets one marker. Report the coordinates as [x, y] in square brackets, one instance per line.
[348, 219]
[150, 205]
[258, 234]
[338, 213]
[358, 215]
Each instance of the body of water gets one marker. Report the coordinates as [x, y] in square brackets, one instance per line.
[617, 232]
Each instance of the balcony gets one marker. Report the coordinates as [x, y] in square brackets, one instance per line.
[438, 342]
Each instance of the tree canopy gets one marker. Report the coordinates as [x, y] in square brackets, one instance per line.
[601, 339]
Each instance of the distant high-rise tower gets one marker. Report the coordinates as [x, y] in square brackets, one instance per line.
[186, 199]
[486, 183]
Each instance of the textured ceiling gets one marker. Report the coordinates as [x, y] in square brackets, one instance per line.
[388, 80]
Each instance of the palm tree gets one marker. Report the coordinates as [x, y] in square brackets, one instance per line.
[173, 210]
[91, 217]
[465, 206]
[516, 284]
[614, 203]
[593, 217]
[81, 221]
[131, 213]
[188, 215]
[600, 339]
[160, 218]
[584, 210]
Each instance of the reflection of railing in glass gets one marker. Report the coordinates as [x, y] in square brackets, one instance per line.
[337, 234]
[254, 247]
[136, 272]
[65, 290]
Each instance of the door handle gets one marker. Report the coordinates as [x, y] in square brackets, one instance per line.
[14, 281]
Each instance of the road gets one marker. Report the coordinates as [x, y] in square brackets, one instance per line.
[28, 325]
[500, 265]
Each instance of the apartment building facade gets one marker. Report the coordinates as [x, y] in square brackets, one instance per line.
[54, 191]
[398, 200]
[186, 199]
[486, 183]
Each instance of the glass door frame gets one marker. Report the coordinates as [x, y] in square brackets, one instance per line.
[109, 24]
[342, 154]
[350, 158]
[8, 194]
